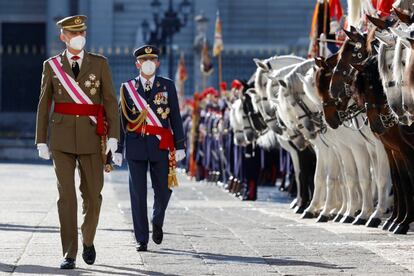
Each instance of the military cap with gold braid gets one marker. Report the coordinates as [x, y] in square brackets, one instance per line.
[73, 23]
[146, 51]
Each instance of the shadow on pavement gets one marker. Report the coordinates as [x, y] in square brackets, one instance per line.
[28, 228]
[46, 270]
[46, 229]
[251, 260]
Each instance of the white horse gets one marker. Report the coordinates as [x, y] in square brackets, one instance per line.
[392, 89]
[293, 115]
[264, 68]
[401, 59]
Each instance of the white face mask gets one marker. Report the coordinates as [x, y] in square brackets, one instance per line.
[148, 67]
[77, 42]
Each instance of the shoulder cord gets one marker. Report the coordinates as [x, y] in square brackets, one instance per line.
[139, 120]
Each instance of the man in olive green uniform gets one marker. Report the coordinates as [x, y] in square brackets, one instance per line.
[78, 86]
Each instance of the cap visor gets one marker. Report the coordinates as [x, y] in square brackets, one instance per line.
[147, 55]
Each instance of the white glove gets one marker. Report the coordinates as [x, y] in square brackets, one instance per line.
[43, 151]
[111, 145]
[117, 159]
[179, 155]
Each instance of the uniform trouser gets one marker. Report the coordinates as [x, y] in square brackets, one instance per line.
[91, 175]
[138, 193]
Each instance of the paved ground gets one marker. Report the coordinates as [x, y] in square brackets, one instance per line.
[208, 232]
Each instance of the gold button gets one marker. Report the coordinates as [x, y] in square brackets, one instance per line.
[77, 116]
[77, 83]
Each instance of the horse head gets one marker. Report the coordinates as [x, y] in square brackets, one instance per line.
[322, 80]
[354, 50]
[368, 92]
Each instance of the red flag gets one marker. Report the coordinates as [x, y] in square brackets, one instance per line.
[181, 75]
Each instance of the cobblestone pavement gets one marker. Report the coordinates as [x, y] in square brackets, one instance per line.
[207, 232]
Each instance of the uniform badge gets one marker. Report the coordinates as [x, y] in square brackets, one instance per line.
[164, 115]
[148, 50]
[157, 99]
[92, 83]
[160, 110]
[78, 21]
[134, 111]
[161, 98]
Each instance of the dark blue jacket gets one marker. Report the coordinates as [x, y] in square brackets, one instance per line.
[162, 97]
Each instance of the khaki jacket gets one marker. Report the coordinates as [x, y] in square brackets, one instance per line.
[70, 133]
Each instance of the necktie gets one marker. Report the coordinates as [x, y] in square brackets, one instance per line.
[75, 66]
[147, 86]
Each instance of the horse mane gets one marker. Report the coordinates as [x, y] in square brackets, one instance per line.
[258, 80]
[319, 80]
[371, 40]
[384, 71]
[344, 47]
[294, 83]
[397, 67]
[283, 71]
[370, 75]
[272, 60]
[410, 70]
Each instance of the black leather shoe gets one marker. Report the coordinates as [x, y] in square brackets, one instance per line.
[142, 246]
[157, 234]
[68, 263]
[89, 254]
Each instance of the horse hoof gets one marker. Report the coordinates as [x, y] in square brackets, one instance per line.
[322, 218]
[387, 225]
[359, 221]
[357, 212]
[348, 219]
[299, 210]
[374, 222]
[338, 218]
[401, 229]
[307, 215]
[332, 216]
[393, 226]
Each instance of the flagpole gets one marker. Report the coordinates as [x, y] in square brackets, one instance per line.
[220, 74]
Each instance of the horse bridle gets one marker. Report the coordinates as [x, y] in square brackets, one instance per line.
[315, 117]
[389, 119]
[342, 68]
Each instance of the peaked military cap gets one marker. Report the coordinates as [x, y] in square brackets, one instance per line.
[73, 23]
[146, 51]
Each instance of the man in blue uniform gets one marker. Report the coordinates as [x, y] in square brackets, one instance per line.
[152, 133]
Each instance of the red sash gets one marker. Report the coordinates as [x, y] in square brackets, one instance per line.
[84, 110]
[166, 141]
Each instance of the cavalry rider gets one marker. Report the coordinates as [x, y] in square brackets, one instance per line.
[80, 85]
[149, 112]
